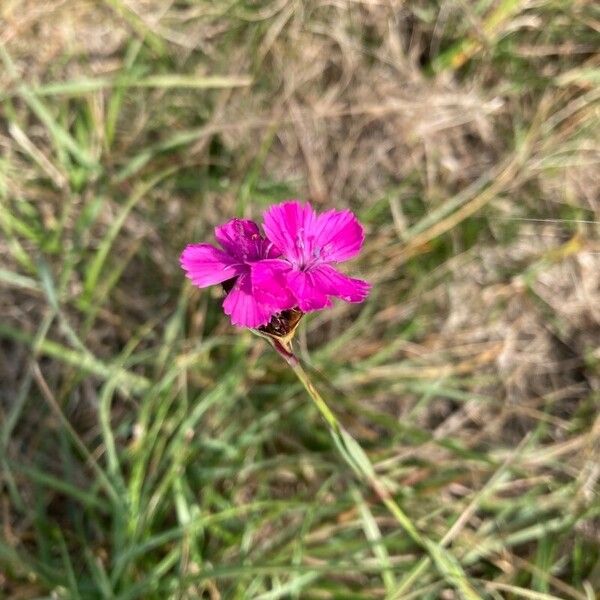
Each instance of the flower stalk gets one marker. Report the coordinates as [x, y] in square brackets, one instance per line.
[350, 449]
[359, 462]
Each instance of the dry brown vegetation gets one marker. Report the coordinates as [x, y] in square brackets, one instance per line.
[465, 135]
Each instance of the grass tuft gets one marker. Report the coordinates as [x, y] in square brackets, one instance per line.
[149, 450]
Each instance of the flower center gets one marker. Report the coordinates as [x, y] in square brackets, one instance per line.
[307, 255]
[310, 262]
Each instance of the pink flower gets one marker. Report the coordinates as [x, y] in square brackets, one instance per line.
[243, 246]
[309, 244]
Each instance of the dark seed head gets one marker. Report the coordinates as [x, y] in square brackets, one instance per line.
[283, 324]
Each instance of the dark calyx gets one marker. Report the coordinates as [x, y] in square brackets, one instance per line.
[283, 324]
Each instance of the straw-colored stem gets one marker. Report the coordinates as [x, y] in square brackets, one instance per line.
[368, 474]
[360, 463]
[338, 431]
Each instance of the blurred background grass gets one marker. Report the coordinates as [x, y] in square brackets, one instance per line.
[150, 450]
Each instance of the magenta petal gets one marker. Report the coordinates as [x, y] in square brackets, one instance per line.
[242, 238]
[334, 283]
[338, 235]
[308, 291]
[243, 307]
[288, 226]
[230, 234]
[269, 283]
[206, 265]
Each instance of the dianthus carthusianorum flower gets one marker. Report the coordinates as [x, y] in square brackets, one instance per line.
[310, 244]
[291, 268]
[243, 246]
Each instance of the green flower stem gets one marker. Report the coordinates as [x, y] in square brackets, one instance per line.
[360, 463]
[356, 463]
[315, 396]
